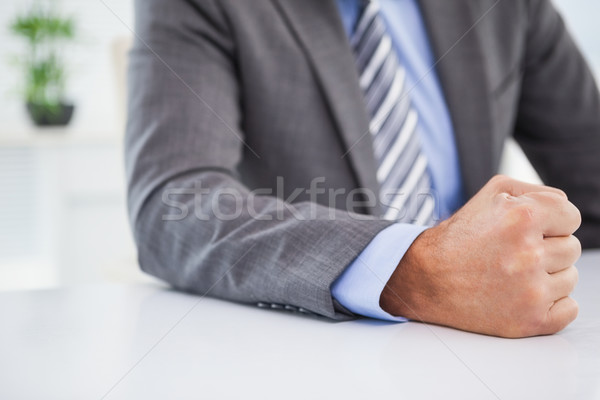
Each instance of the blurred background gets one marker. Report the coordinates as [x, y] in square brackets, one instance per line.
[62, 190]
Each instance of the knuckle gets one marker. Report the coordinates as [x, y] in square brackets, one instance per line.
[533, 325]
[577, 248]
[554, 198]
[577, 216]
[541, 321]
[503, 203]
[531, 257]
[510, 224]
[527, 258]
[574, 310]
[575, 278]
[570, 312]
[570, 213]
[503, 199]
[537, 323]
[556, 194]
[499, 180]
[534, 255]
[525, 213]
[561, 193]
[511, 269]
[520, 216]
[535, 295]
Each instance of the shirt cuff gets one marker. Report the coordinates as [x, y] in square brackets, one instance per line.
[359, 287]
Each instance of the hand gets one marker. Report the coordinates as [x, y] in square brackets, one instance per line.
[502, 265]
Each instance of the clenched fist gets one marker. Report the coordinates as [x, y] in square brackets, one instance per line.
[502, 265]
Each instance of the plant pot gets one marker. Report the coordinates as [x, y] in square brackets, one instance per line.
[42, 115]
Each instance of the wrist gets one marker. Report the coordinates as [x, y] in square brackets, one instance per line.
[407, 292]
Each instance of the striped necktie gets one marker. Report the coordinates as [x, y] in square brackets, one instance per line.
[401, 164]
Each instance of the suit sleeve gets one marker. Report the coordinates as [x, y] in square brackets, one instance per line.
[195, 224]
[558, 124]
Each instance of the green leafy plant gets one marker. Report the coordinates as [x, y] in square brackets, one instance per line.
[44, 32]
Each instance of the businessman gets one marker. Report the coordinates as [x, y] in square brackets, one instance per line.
[338, 157]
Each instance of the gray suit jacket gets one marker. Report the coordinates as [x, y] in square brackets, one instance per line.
[225, 96]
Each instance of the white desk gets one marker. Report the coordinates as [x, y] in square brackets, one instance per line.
[147, 342]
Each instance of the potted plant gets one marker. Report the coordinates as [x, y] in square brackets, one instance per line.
[44, 32]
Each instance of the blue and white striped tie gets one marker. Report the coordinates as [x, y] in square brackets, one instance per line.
[402, 167]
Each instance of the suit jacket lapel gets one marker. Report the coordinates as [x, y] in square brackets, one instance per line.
[318, 27]
[460, 67]
[462, 74]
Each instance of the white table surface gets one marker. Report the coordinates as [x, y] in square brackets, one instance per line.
[148, 342]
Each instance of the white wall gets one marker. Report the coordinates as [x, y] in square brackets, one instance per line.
[582, 19]
[101, 21]
[92, 87]
[70, 225]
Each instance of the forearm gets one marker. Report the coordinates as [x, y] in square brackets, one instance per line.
[270, 252]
